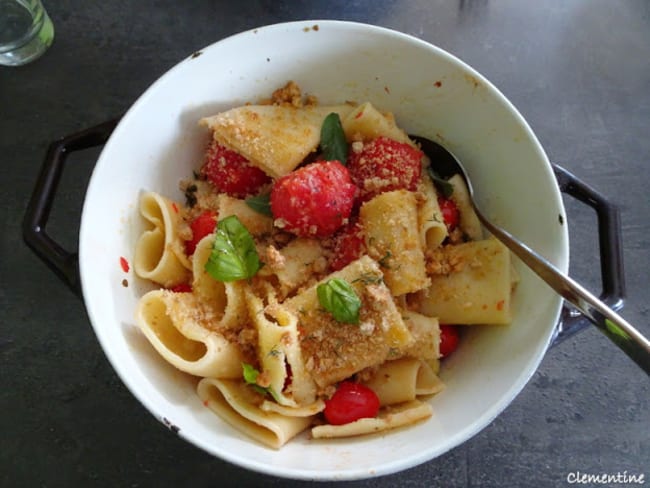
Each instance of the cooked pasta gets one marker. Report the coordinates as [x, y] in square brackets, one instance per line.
[366, 123]
[280, 354]
[469, 222]
[393, 240]
[158, 254]
[238, 405]
[403, 380]
[172, 323]
[226, 299]
[397, 416]
[333, 273]
[431, 223]
[333, 352]
[478, 288]
[274, 138]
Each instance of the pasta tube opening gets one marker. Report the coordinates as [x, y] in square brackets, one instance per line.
[163, 326]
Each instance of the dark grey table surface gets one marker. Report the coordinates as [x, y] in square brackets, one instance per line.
[578, 71]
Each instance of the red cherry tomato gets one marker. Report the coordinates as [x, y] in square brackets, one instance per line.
[351, 401]
[232, 173]
[315, 200]
[450, 213]
[201, 226]
[448, 339]
[385, 165]
[349, 244]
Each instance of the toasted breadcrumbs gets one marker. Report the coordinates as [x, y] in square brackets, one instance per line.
[334, 351]
[290, 95]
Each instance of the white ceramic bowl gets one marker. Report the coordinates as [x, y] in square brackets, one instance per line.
[432, 94]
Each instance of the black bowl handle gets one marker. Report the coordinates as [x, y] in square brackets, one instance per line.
[63, 262]
[611, 255]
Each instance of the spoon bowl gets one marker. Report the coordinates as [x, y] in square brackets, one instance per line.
[615, 327]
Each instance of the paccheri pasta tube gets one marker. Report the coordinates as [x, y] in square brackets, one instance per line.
[314, 259]
[159, 256]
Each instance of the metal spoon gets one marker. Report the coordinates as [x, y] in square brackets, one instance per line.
[615, 327]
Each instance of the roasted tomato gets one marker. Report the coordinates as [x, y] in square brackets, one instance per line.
[385, 165]
[349, 245]
[315, 200]
[232, 173]
[450, 213]
[201, 226]
[351, 401]
[448, 339]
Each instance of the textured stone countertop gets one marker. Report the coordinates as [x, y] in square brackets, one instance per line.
[577, 70]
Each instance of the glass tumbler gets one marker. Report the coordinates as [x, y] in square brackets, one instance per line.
[26, 31]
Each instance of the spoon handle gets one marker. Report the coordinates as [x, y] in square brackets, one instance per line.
[622, 333]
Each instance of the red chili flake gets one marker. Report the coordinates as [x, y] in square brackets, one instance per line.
[124, 264]
[500, 304]
[358, 115]
[174, 207]
[205, 403]
[438, 84]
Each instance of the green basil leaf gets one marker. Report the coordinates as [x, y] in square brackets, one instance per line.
[261, 204]
[250, 377]
[233, 256]
[339, 298]
[333, 143]
[250, 373]
[442, 185]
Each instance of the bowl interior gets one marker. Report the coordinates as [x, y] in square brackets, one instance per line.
[432, 94]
